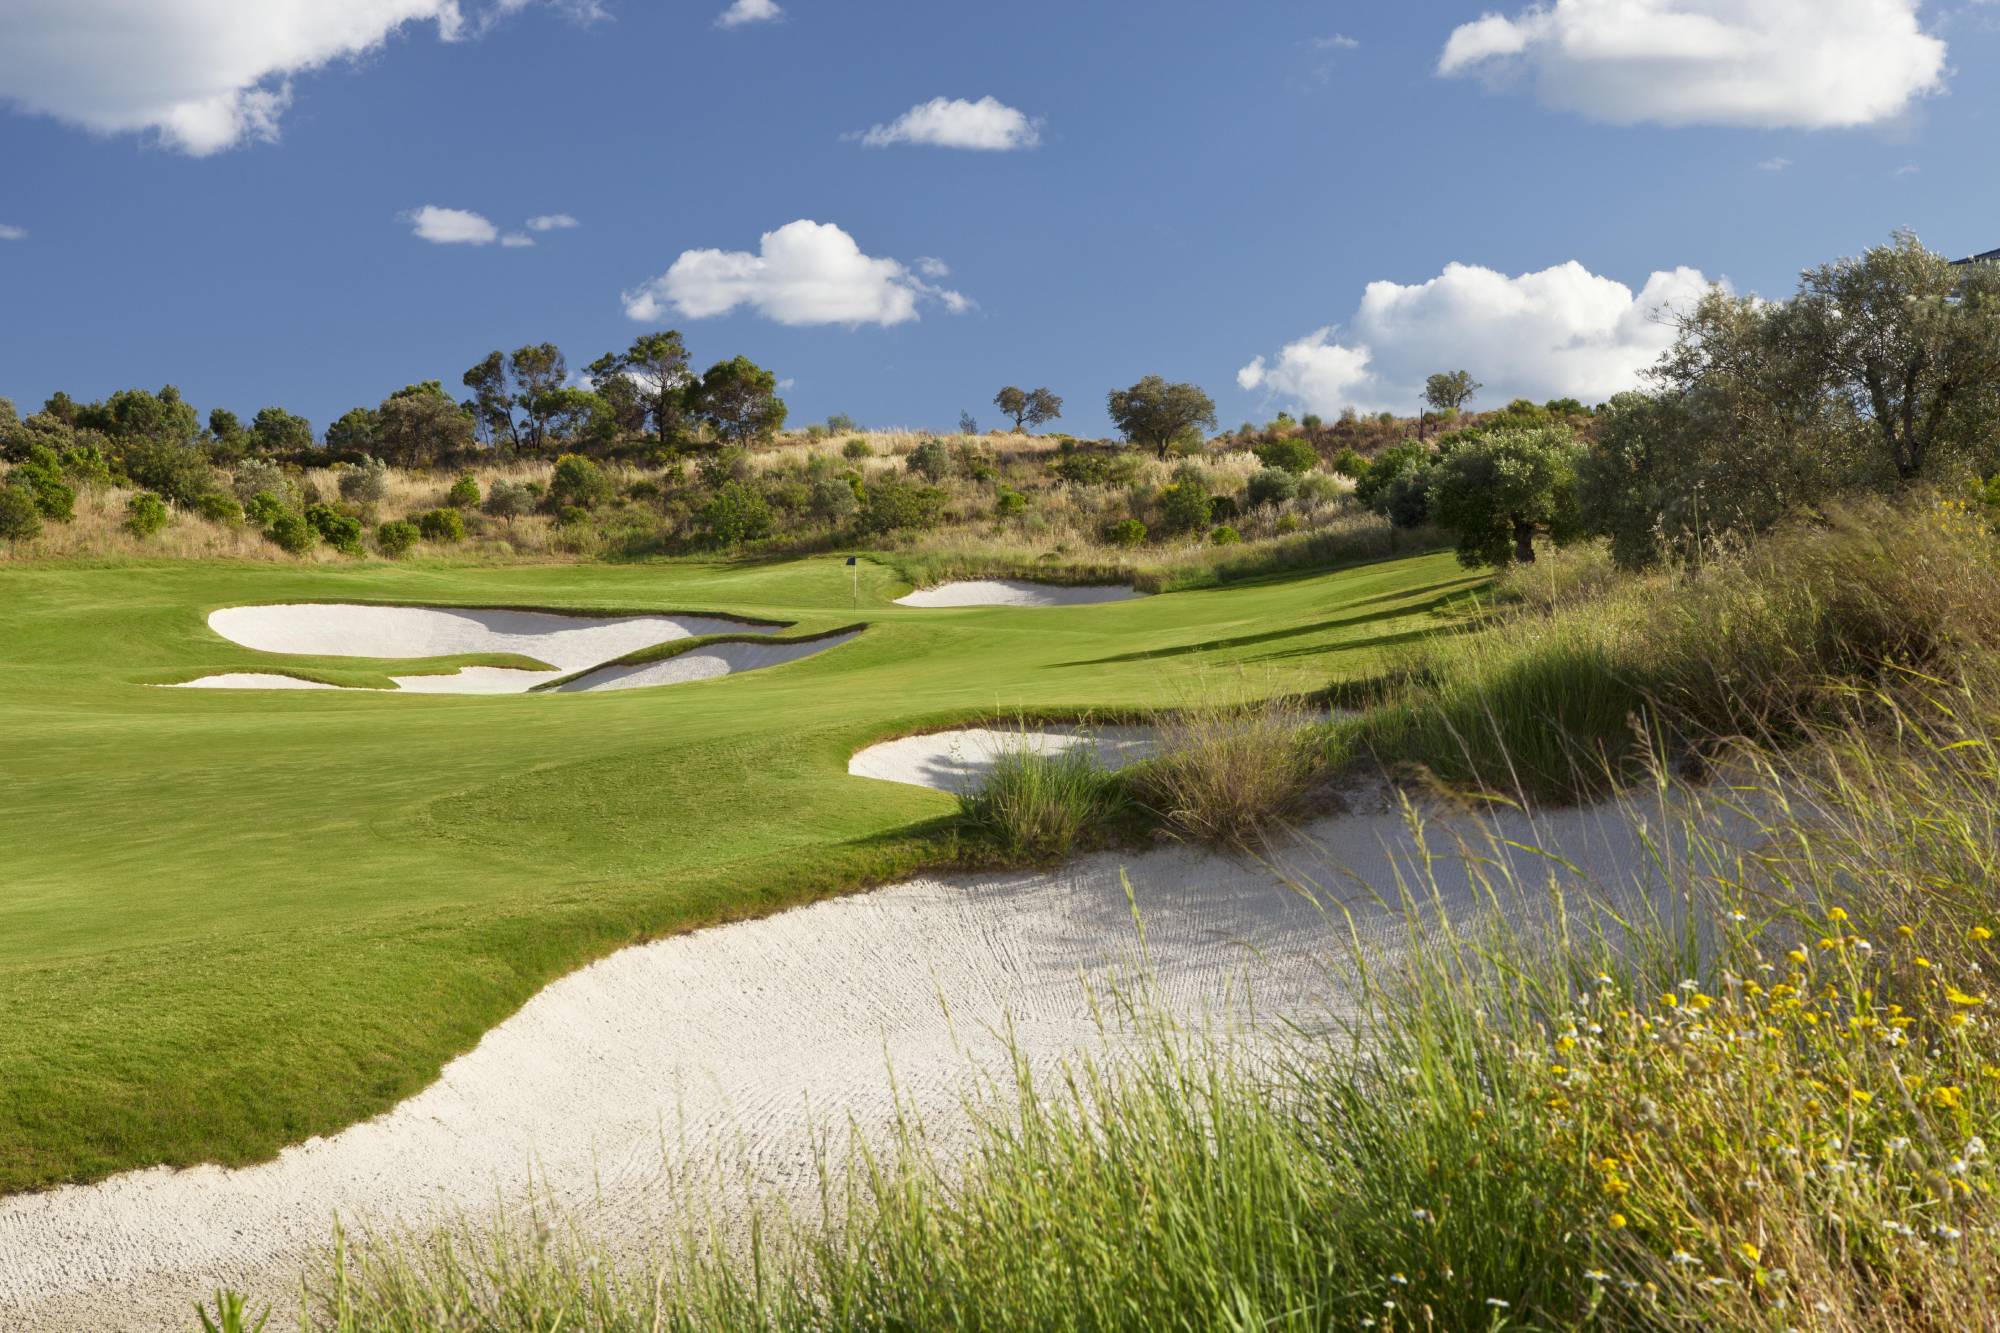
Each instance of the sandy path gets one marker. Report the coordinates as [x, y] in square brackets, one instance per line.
[750, 1035]
[1016, 592]
[960, 760]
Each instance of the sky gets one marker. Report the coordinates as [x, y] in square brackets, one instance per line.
[901, 205]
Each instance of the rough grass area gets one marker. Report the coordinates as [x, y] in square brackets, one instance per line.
[1583, 672]
[1043, 807]
[322, 897]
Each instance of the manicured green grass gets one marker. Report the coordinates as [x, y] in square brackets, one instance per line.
[232, 920]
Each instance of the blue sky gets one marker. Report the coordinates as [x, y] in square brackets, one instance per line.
[1208, 185]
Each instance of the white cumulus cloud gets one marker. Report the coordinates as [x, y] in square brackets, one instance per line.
[451, 226]
[989, 125]
[203, 75]
[1800, 64]
[1563, 332]
[8, 233]
[803, 273]
[748, 11]
[552, 222]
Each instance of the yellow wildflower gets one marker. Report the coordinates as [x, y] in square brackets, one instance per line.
[1617, 1221]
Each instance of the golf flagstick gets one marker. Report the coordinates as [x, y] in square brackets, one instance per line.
[854, 563]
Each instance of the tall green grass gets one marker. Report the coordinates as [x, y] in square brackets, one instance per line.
[1036, 806]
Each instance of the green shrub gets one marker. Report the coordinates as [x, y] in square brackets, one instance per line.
[1126, 532]
[1271, 486]
[259, 475]
[930, 460]
[464, 494]
[1319, 488]
[894, 506]
[263, 508]
[1184, 506]
[1042, 806]
[217, 507]
[1224, 536]
[736, 513]
[441, 525]
[145, 514]
[509, 500]
[833, 501]
[291, 532]
[857, 448]
[54, 498]
[1391, 463]
[84, 465]
[1288, 453]
[1287, 524]
[578, 481]
[20, 520]
[174, 472]
[1009, 503]
[1349, 463]
[336, 529]
[395, 538]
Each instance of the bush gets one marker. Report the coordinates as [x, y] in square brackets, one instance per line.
[1224, 536]
[857, 448]
[441, 525]
[1391, 463]
[736, 513]
[55, 499]
[1349, 463]
[1407, 501]
[1272, 486]
[219, 508]
[394, 539]
[174, 472]
[263, 508]
[1184, 506]
[1009, 503]
[894, 506]
[580, 482]
[1126, 532]
[260, 475]
[1042, 806]
[291, 532]
[930, 460]
[20, 520]
[833, 501]
[1319, 488]
[366, 483]
[1288, 454]
[145, 514]
[464, 494]
[509, 500]
[336, 529]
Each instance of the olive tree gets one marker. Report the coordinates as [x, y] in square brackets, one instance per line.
[1450, 390]
[1153, 413]
[1498, 493]
[1028, 407]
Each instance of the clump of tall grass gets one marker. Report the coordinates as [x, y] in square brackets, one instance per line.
[1230, 773]
[1564, 696]
[1038, 805]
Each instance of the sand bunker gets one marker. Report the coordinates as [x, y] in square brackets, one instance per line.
[569, 644]
[253, 680]
[743, 1038]
[704, 663]
[1017, 592]
[959, 761]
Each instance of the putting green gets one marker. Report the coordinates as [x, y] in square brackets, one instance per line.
[231, 920]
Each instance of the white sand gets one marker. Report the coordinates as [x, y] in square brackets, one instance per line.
[719, 659]
[251, 680]
[959, 761]
[745, 1037]
[1017, 592]
[567, 643]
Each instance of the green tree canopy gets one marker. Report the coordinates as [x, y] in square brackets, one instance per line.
[1497, 494]
[738, 400]
[1451, 390]
[1152, 413]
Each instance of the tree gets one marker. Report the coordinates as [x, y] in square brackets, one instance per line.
[275, 431]
[1028, 407]
[578, 483]
[1152, 412]
[419, 425]
[1498, 493]
[738, 399]
[539, 371]
[1450, 390]
[354, 432]
[1913, 341]
[227, 428]
[1290, 453]
[20, 518]
[657, 365]
[492, 402]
